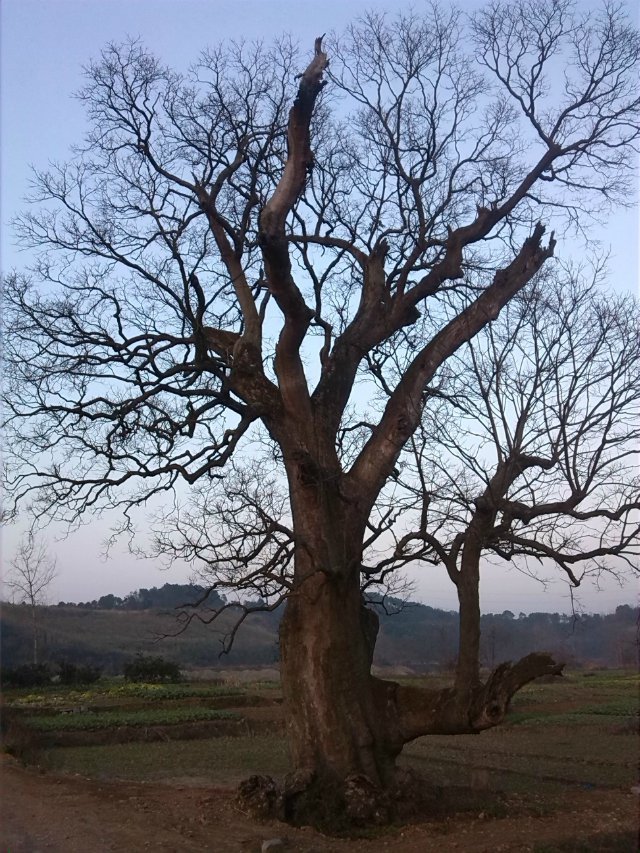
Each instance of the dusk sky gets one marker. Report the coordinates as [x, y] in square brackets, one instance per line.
[44, 44]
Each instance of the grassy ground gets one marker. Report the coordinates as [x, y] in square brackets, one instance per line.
[113, 693]
[217, 761]
[95, 720]
[580, 730]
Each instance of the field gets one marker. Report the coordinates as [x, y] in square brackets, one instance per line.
[558, 776]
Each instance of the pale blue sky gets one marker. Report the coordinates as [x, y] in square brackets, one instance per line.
[44, 44]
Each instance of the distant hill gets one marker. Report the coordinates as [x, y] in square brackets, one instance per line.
[110, 631]
[111, 637]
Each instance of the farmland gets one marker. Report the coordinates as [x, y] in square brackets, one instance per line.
[558, 773]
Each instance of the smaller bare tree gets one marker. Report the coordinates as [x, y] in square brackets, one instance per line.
[32, 572]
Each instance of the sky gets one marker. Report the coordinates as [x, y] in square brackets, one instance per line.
[44, 44]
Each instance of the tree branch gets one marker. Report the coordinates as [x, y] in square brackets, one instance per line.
[404, 408]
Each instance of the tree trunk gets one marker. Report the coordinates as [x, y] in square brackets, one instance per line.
[468, 589]
[326, 643]
[345, 728]
[34, 628]
[335, 730]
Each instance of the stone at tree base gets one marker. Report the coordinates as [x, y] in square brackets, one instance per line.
[273, 845]
[260, 796]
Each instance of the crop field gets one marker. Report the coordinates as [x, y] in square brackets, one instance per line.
[96, 720]
[574, 737]
[576, 730]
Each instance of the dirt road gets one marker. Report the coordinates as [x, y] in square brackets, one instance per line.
[44, 813]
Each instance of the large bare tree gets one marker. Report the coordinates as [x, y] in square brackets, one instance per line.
[234, 257]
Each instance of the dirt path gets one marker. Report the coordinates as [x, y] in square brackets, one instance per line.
[49, 814]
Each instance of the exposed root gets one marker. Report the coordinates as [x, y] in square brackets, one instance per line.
[353, 806]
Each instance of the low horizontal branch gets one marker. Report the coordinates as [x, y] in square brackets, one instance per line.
[416, 711]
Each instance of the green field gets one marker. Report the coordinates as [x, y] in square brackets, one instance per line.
[577, 731]
[114, 692]
[95, 720]
[563, 741]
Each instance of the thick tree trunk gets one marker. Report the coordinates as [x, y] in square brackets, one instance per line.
[343, 749]
[335, 729]
[468, 589]
[345, 728]
[326, 640]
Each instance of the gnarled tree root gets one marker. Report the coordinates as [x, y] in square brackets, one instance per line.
[356, 803]
[331, 805]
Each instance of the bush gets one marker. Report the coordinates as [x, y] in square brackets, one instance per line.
[71, 673]
[152, 670]
[28, 675]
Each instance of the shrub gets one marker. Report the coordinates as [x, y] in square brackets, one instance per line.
[71, 673]
[151, 669]
[28, 675]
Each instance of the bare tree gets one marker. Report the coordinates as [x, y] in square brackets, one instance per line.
[209, 285]
[527, 453]
[32, 570]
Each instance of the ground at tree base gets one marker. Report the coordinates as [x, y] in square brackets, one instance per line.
[45, 813]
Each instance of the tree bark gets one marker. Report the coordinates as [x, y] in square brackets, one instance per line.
[34, 626]
[335, 729]
[326, 641]
[345, 727]
[468, 589]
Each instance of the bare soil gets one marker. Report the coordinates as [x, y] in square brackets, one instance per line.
[45, 813]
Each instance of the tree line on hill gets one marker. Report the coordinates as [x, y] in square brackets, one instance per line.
[170, 595]
[428, 637]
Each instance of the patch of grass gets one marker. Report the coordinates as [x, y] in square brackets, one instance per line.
[578, 684]
[433, 682]
[621, 708]
[608, 676]
[579, 716]
[216, 761]
[174, 691]
[264, 685]
[581, 750]
[92, 720]
[581, 701]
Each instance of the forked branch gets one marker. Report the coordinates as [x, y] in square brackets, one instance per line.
[420, 711]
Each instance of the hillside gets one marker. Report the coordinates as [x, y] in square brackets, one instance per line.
[418, 637]
[109, 638]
